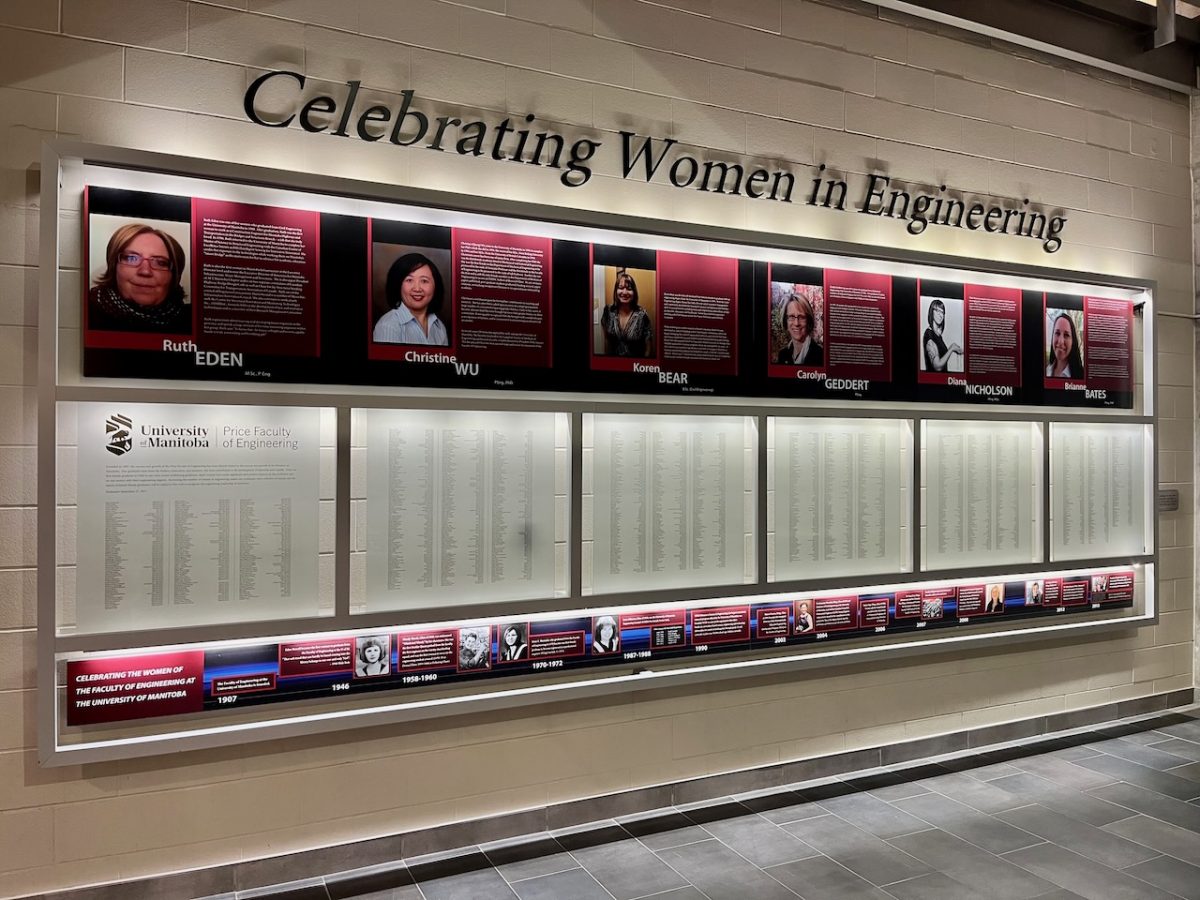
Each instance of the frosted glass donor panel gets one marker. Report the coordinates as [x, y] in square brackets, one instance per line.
[197, 515]
[983, 494]
[1099, 487]
[460, 507]
[838, 497]
[668, 502]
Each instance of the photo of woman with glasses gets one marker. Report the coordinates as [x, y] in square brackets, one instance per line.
[141, 287]
[797, 325]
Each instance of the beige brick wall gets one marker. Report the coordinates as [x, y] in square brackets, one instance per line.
[773, 79]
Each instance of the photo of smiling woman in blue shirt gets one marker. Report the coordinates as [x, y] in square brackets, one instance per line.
[415, 292]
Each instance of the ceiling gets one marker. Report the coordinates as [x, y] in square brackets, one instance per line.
[1119, 34]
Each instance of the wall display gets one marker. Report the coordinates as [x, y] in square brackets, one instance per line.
[453, 552]
[460, 507]
[1088, 351]
[1099, 490]
[837, 497]
[983, 489]
[144, 685]
[205, 289]
[669, 502]
[194, 515]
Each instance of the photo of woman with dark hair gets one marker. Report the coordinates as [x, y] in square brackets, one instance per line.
[804, 619]
[606, 638]
[415, 295]
[1064, 358]
[373, 656]
[936, 354]
[625, 324]
[513, 644]
[141, 287]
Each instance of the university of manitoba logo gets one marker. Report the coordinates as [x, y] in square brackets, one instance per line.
[119, 431]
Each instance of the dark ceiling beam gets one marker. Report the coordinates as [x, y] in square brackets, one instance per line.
[1164, 31]
[1120, 32]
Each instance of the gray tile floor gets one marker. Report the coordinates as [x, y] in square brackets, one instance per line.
[1113, 813]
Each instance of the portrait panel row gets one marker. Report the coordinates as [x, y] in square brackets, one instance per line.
[207, 288]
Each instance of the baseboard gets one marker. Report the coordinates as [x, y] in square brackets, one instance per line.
[289, 872]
